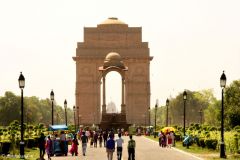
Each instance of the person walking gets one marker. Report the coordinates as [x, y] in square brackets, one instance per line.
[84, 140]
[91, 141]
[105, 136]
[41, 146]
[48, 147]
[110, 147]
[163, 141]
[95, 139]
[100, 140]
[119, 142]
[131, 148]
[160, 136]
[63, 143]
[170, 139]
[74, 149]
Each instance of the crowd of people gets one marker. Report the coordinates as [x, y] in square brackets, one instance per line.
[97, 138]
[93, 138]
[166, 139]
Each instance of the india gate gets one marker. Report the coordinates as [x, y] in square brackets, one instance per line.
[112, 46]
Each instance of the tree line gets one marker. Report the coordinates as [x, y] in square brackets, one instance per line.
[202, 107]
[35, 110]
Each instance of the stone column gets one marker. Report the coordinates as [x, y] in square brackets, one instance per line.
[122, 90]
[104, 97]
[123, 106]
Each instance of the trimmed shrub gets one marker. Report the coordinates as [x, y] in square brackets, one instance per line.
[6, 148]
[211, 143]
[31, 142]
[177, 137]
[197, 126]
[202, 143]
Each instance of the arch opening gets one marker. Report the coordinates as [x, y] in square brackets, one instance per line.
[113, 94]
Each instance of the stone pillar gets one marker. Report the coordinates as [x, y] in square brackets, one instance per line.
[104, 97]
[122, 90]
[123, 106]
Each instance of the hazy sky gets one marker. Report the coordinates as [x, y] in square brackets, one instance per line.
[192, 42]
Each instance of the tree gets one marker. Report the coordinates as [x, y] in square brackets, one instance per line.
[9, 108]
[31, 110]
[35, 110]
[232, 104]
[196, 100]
[212, 113]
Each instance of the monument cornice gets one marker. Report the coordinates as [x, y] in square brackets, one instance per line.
[79, 58]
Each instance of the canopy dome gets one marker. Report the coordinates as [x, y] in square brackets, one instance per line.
[112, 20]
[113, 59]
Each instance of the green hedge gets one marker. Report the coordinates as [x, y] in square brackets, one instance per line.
[211, 143]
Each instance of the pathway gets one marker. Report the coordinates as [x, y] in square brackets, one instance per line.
[146, 149]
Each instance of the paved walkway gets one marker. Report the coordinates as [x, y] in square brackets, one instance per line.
[146, 149]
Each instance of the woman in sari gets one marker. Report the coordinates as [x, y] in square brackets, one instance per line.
[74, 148]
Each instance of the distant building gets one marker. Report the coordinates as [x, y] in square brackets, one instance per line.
[111, 107]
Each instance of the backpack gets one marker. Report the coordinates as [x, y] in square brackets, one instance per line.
[131, 144]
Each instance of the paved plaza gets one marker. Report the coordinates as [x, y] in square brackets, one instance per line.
[146, 149]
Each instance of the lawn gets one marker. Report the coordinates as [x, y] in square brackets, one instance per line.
[30, 154]
[204, 153]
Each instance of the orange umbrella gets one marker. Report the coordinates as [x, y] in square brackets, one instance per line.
[168, 129]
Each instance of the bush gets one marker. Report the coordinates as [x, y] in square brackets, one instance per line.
[205, 128]
[196, 140]
[132, 130]
[236, 139]
[177, 137]
[5, 148]
[197, 126]
[214, 129]
[211, 143]
[202, 143]
[236, 128]
[31, 142]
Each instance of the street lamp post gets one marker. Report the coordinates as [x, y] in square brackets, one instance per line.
[65, 107]
[167, 103]
[156, 105]
[52, 99]
[184, 110]
[21, 81]
[223, 81]
[74, 110]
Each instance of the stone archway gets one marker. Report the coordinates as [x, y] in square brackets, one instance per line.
[113, 62]
[113, 46]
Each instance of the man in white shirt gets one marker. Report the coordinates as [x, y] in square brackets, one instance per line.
[119, 142]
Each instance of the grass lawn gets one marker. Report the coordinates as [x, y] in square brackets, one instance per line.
[204, 153]
[30, 154]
